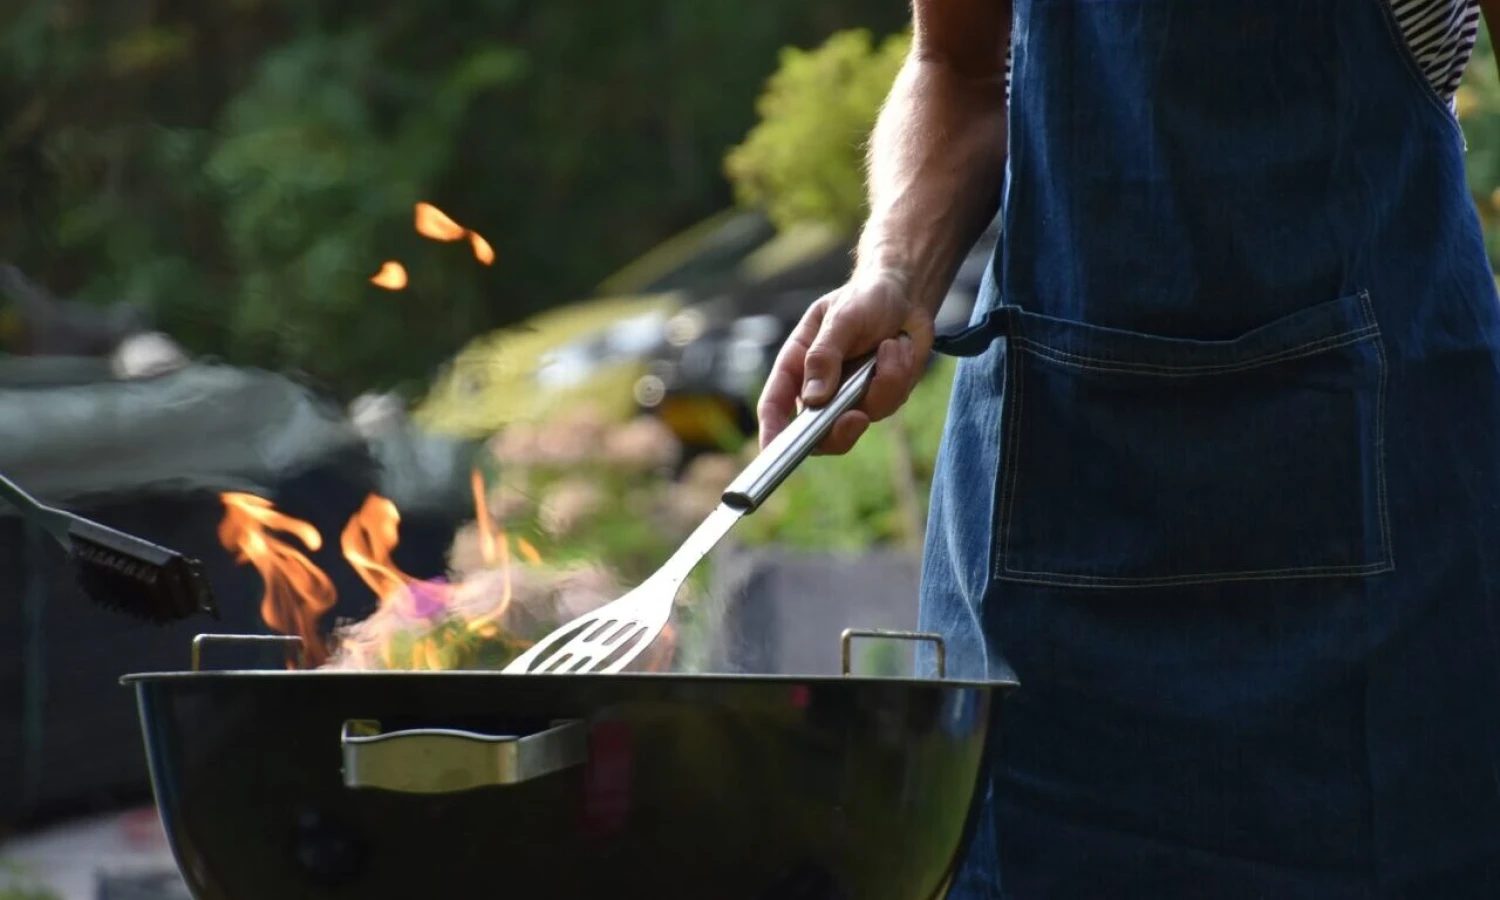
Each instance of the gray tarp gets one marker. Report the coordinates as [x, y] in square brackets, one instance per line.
[203, 428]
[149, 456]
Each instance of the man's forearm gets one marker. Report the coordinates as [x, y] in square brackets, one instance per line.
[936, 161]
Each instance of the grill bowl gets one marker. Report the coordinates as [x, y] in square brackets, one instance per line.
[700, 787]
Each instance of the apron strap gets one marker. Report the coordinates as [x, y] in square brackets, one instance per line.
[976, 338]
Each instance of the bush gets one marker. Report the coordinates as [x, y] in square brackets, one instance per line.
[804, 161]
[1478, 103]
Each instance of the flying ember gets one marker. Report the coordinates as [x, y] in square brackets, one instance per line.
[392, 276]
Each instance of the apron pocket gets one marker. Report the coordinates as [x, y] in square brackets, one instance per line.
[1130, 460]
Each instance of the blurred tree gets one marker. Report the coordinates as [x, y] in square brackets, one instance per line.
[804, 161]
[242, 167]
[1478, 106]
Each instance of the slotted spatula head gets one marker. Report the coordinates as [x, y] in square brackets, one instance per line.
[611, 637]
[605, 640]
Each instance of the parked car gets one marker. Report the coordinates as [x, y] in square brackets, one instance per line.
[594, 350]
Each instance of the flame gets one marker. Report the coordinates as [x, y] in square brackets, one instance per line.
[368, 540]
[482, 249]
[528, 552]
[659, 655]
[493, 546]
[297, 592]
[434, 223]
[482, 517]
[392, 276]
[418, 624]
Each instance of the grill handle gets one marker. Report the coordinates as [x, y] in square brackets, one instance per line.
[846, 639]
[446, 761]
[287, 640]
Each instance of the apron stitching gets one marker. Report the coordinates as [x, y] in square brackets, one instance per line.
[1003, 569]
[1054, 578]
[1384, 504]
[1012, 452]
[1102, 364]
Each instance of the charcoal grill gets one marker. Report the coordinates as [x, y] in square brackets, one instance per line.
[374, 785]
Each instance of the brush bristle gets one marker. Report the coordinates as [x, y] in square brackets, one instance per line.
[162, 587]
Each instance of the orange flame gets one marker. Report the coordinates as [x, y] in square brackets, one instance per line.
[392, 277]
[492, 546]
[659, 655]
[434, 223]
[297, 592]
[482, 249]
[482, 518]
[368, 540]
[528, 552]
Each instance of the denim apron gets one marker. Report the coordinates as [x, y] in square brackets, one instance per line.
[1220, 484]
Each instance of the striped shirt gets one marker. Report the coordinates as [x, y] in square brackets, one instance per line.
[1439, 34]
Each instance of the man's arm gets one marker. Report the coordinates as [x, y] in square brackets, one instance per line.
[937, 154]
[936, 160]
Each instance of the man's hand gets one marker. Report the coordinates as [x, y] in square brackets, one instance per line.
[872, 312]
[935, 165]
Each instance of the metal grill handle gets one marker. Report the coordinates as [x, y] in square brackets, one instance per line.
[446, 761]
[202, 639]
[847, 638]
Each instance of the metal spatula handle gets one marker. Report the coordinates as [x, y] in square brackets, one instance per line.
[787, 451]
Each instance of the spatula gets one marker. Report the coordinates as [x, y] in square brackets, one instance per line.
[612, 636]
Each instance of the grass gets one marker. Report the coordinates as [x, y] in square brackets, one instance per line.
[16, 883]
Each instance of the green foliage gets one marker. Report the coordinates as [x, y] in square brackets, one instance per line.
[17, 883]
[27, 893]
[321, 187]
[1478, 104]
[803, 162]
[242, 167]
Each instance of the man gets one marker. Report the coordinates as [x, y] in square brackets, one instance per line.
[1221, 486]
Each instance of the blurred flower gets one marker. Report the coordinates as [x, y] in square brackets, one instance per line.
[515, 445]
[494, 601]
[509, 499]
[641, 445]
[712, 470]
[567, 503]
[583, 590]
[688, 501]
[570, 438]
[428, 600]
[687, 505]
[466, 554]
[481, 594]
[539, 594]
